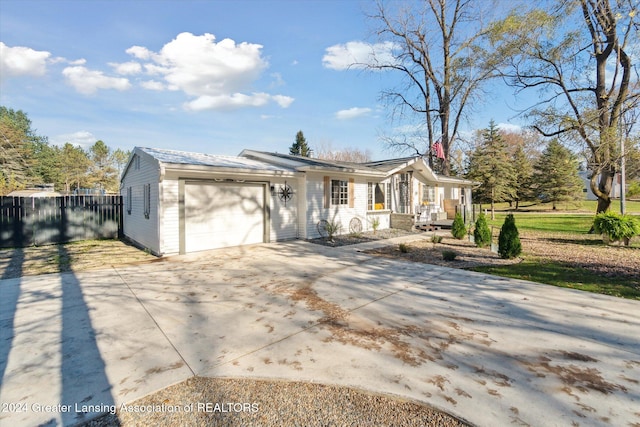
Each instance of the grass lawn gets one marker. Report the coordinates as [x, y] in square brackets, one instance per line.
[565, 275]
[553, 223]
[570, 230]
[585, 206]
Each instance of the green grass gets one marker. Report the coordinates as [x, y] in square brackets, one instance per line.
[553, 223]
[584, 206]
[556, 273]
[566, 276]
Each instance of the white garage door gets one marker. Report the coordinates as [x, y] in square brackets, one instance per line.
[218, 215]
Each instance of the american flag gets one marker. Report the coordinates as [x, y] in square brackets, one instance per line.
[437, 148]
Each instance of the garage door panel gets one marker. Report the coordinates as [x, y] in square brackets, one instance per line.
[221, 215]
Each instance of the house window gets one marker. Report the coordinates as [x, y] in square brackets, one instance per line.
[375, 196]
[136, 162]
[428, 194]
[339, 192]
[129, 200]
[147, 200]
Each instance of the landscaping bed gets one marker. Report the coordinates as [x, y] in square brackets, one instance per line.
[579, 261]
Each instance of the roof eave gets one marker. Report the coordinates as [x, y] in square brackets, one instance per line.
[359, 172]
[180, 167]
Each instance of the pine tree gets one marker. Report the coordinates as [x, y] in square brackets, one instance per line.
[491, 165]
[509, 245]
[556, 175]
[300, 147]
[481, 232]
[523, 169]
[458, 229]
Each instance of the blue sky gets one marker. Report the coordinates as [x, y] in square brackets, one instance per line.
[205, 76]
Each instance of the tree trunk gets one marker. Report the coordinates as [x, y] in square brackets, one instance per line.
[602, 189]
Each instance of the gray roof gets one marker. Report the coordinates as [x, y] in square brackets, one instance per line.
[390, 164]
[201, 159]
[307, 163]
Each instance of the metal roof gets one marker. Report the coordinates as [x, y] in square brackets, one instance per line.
[201, 159]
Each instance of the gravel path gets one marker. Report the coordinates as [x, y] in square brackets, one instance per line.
[249, 402]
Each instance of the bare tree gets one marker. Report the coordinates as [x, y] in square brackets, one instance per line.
[438, 50]
[327, 152]
[577, 54]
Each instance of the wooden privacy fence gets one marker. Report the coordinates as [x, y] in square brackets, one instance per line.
[26, 221]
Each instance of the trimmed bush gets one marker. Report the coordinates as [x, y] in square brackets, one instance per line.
[402, 247]
[448, 255]
[436, 239]
[616, 227]
[458, 230]
[482, 233]
[509, 245]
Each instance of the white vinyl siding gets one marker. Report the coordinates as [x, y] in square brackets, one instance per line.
[143, 172]
[170, 214]
[341, 213]
[284, 218]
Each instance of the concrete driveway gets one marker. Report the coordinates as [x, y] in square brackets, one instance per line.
[489, 350]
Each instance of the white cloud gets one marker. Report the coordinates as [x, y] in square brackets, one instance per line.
[352, 113]
[21, 61]
[215, 73]
[88, 82]
[358, 54]
[508, 127]
[235, 101]
[140, 52]
[200, 66]
[82, 138]
[126, 68]
[277, 80]
[153, 85]
[283, 101]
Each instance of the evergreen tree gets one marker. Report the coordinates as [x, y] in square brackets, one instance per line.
[458, 229]
[300, 147]
[17, 143]
[103, 174]
[509, 245]
[491, 165]
[523, 169]
[556, 175]
[74, 167]
[482, 233]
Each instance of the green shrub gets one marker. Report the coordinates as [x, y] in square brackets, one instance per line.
[436, 239]
[509, 245]
[616, 227]
[482, 233]
[448, 255]
[375, 224]
[458, 230]
[403, 248]
[634, 189]
[332, 228]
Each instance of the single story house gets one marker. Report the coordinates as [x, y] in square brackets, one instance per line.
[178, 202]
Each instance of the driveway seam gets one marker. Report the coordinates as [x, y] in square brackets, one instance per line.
[154, 321]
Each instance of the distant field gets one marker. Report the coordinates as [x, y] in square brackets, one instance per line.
[557, 223]
[565, 219]
[586, 206]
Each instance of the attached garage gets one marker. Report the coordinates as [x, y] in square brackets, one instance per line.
[217, 215]
[178, 202]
